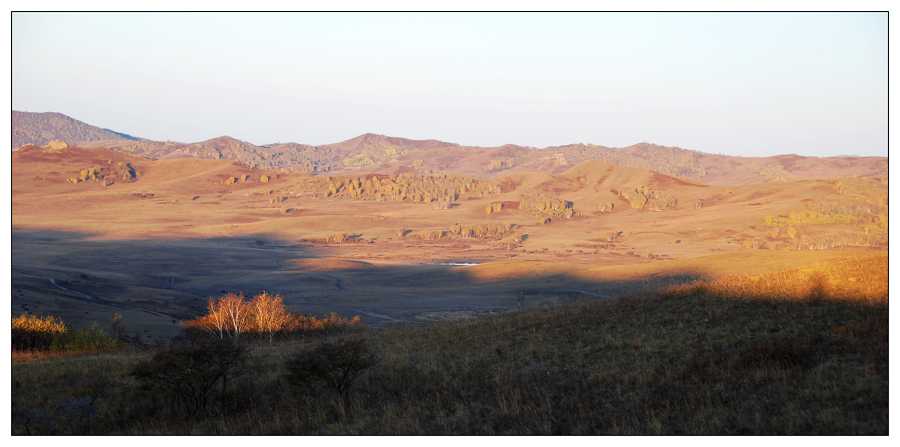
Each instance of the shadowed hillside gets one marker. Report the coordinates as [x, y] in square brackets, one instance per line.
[802, 351]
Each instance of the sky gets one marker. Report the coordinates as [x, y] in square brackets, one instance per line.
[751, 84]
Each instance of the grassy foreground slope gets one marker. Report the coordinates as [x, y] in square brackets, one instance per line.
[803, 351]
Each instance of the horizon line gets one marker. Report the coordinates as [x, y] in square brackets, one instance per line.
[529, 147]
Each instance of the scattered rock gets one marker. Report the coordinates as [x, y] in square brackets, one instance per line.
[605, 208]
[493, 207]
[93, 174]
[56, 146]
[496, 207]
[122, 171]
[501, 164]
[341, 238]
[443, 205]
[548, 206]
[126, 172]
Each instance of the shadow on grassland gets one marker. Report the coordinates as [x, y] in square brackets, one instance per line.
[158, 282]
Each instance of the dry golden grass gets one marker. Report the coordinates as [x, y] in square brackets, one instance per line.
[36, 323]
[34, 356]
[35, 332]
[33, 337]
[860, 279]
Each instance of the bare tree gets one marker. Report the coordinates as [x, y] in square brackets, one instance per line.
[232, 315]
[236, 313]
[216, 320]
[268, 314]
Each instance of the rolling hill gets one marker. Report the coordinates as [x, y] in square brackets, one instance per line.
[373, 153]
[40, 128]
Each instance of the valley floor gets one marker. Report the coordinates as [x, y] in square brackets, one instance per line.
[155, 284]
[155, 245]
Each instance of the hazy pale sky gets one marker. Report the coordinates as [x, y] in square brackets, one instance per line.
[734, 83]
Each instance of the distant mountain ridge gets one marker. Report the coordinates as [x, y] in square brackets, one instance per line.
[380, 153]
[40, 128]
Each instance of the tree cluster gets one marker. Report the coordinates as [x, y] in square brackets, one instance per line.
[233, 315]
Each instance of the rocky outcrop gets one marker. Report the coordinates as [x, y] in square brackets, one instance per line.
[235, 179]
[647, 198]
[546, 206]
[444, 189]
[496, 207]
[470, 231]
[119, 171]
[56, 146]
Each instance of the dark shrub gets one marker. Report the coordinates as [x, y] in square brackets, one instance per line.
[184, 377]
[336, 365]
[773, 354]
[778, 353]
[90, 339]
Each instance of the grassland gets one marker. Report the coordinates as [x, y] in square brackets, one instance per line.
[706, 309]
[799, 351]
[153, 246]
